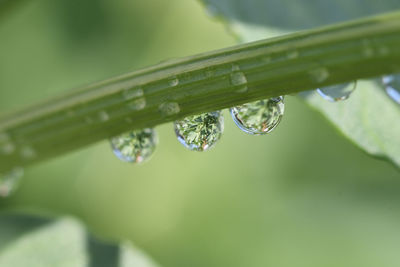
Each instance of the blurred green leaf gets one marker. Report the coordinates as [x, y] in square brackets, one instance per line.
[367, 117]
[31, 241]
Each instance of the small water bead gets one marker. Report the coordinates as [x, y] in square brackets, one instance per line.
[137, 104]
[174, 81]
[10, 181]
[103, 116]
[392, 86]
[200, 132]
[135, 146]
[337, 92]
[238, 79]
[132, 93]
[169, 108]
[28, 152]
[319, 75]
[259, 117]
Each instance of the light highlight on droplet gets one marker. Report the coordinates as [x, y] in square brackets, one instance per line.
[200, 132]
[392, 86]
[10, 181]
[337, 92]
[135, 146]
[259, 117]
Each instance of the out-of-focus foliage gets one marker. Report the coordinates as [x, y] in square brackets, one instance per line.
[34, 241]
[300, 196]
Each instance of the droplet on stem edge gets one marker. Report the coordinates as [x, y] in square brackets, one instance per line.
[337, 92]
[259, 117]
[391, 84]
[200, 132]
[135, 146]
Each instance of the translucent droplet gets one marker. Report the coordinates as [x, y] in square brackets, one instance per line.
[174, 81]
[7, 148]
[259, 117]
[137, 104]
[200, 132]
[10, 181]
[293, 54]
[319, 75]
[135, 146]
[103, 116]
[337, 92]
[169, 108]
[28, 152]
[392, 86]
[238, 79]
[132, 93]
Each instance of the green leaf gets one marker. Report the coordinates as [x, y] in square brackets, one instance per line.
[31, 241]
[368, 117]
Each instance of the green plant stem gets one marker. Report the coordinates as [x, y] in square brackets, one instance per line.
[285, 65]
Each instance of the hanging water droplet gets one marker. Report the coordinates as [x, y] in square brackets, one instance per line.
[135, 146]
[259, 117]
[337, 92]
[9, 182]
[169, 108]
[392, 86]
[200, 132]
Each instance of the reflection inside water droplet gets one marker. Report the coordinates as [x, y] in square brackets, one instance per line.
[135, 146]
[200, 132]
[392, 86]
[259, 117]
[10, 181]
[337, 92]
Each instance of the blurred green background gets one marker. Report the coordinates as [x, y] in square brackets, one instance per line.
[301, 196]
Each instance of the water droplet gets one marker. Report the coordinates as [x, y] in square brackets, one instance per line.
[367, 48]
[337, 92]
[392, 86]
[169, 108]
[28, 152]
[259, 117]
[137, 104]
[135, 146]
[174, 81]
[132, 93]
[200, 132]
[319, 75]
[10, 181]
[293, 54]
[383, 50]
[88, 120]
[8, 148]
[103, 116]
[238, 79]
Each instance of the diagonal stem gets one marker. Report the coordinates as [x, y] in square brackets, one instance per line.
[219, 79]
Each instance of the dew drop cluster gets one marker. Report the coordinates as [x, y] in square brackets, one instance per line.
[201, 132]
